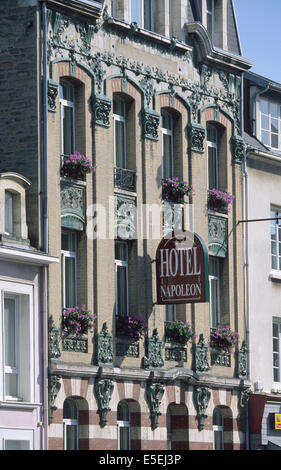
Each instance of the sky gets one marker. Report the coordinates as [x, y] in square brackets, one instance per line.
[259, 25]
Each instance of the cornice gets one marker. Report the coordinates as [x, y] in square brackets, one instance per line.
[89, 8]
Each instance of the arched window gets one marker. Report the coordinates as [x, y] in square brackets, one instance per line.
[218, 429]
[119, 117]
[177, 427]
[70, 424]
[123, 423]
[212, 156]
[167, 134]
[67, 109]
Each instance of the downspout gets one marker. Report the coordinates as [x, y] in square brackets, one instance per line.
[44, 226]
[245, 255]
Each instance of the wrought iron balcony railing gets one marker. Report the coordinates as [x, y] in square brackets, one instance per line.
[125, 179]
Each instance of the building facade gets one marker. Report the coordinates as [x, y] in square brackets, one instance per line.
[262, 136]
[149, 91]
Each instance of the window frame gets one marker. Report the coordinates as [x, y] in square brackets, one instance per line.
[274, 213]
[170, 133]
[71, 422]
[16, 434]
[270, 118]
[9, 213]
[13, 370]
[124, 424]
[73, 255]
[276, 322]
[215, 278]
[17, 290]
[219, 428]
[123, 119]
[212, 14]
[213, 145]
[125, 264]
[66, 104]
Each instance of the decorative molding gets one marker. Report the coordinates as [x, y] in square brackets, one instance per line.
[217, 236]
[238, 147]
[243, 361]
[176, 354]
[127, 349]
[101, 107]
[201, 355]
[197, 134]
[220, 358]
[125, 179]
[244, 397]
[125, 217]
[54, 386]
[155, 392]
[150, 124]
[153, 357]
[75, 344]
[72, 205]
[53, 89]
[54, 348]
[104, 347]
[103, 393]
[202, 397]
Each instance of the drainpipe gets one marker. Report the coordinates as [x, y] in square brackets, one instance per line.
[44, 226]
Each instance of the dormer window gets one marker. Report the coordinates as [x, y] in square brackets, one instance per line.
[141, 13]
[9, 216]
[270, 123]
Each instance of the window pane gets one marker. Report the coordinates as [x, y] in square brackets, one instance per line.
[166, 121]
[167, 156]
[16, 445]
[275, 330]
[120, 144]
[123, 412]
[273, 109]
[10, 332]
[265, 137]
[135, 11]
[70, 282]
[212, 167]
[121, 251]
[119, 107]
[264, 106]
[124, 438]
[9, 212]
[265, 122]
[170, 313]
[11, 385]
[69, 241]
[274, 126]
[68, 136]
[147, 15]
[210, 25]
[71, 437]
[218, 440]
[274, 141]
[70, 410]
[209, 5]
[66, 92]
[122, 290]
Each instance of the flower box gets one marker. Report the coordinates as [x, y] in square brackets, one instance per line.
[220, 201]
[174, 190]
[179, 332]
[130, 327]
[76, 166]
[77, 320]
[224, 339]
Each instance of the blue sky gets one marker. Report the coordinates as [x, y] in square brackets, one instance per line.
[259, 25]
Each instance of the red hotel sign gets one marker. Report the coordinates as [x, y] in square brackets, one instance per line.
[182, 269]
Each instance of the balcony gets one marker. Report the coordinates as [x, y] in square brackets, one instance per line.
[125, 179]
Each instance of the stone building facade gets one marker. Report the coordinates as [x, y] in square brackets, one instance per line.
[147, 93]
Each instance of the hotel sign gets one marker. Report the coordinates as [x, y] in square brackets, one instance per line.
[277, 421]
[182, 269]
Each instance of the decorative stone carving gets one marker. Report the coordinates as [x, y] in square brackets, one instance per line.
[54, 348]
[125, 217]
[154, 351]
[238, 150]
[222, 359]
[150, 122]
[52, 95]
[243, 361]
[72, 205]
[101, 106]
[103, 392]
[202, 397]
[173, 217]
[217, 236]
[104, 347]
[155, 392]
[201, 355]
[54, 386]
[197, 135]
[125, 179]
[245, 394]
[147, 85]
[176, 354]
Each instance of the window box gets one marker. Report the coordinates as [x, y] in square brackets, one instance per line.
[174, 190]
[223, 339]
[76, 166]
[130, 327]
[220, 201]
[179, 332]
[220, 358]
[77, 320]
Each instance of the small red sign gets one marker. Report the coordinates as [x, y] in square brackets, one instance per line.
[182, 269]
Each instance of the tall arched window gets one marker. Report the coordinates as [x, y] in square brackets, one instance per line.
[218, 429]
[123, 423]
[119, 117]
[167, 134]
[70, 424]
[67, 109]
[212, 155]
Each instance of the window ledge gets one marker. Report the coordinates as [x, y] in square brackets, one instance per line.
[218, 214]
[275, 275]
[19, 404]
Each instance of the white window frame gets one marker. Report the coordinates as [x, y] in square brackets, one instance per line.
[169, 132]
[71, 422]
[125, 264]
[212, 14]
[217, 279]
[268, 101]
[277, 322]
[274, 213]
[69, 104]
[16, 434]
[9, 213]
[124, 424]
[141, 13]
[16, 290]
[120, 118]
[8, 369]
[69, 254]
[213, 145]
